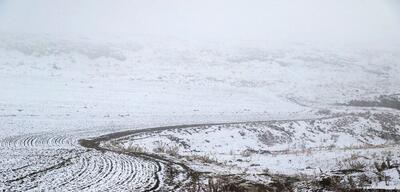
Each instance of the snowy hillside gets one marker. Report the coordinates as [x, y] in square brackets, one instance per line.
[65, 83]
[56, 92]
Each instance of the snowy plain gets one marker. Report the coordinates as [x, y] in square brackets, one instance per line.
[56, 91]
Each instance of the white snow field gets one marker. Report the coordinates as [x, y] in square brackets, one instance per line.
[320, 147]
[58, 96]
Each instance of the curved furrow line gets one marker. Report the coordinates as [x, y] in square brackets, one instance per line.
[4, 143]
[75, 177]
[28, 141]
[106, 171]
[89, 180]
[80, 178]
[39, 141]
[131, 177]
[123, 168]
[87, 170]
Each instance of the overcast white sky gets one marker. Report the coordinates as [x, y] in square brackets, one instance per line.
[291, 20]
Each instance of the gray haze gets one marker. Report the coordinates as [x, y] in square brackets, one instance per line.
[356, 21]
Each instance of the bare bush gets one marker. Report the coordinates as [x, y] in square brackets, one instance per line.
[164, 148]
[130, 149]
[202, 158]
[363, 180]
[222, 184]
[135, 149]
[357, 165]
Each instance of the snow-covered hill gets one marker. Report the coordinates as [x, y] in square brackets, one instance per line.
[50, 83]
[56, 91]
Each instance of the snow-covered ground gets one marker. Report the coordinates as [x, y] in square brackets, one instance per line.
[313, 147]
[49, 83]
[55, 91]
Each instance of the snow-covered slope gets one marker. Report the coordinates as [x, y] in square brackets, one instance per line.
[341, 145]
[55, 91]
[72, 84]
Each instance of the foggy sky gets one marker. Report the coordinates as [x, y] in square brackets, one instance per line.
[365, 21]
